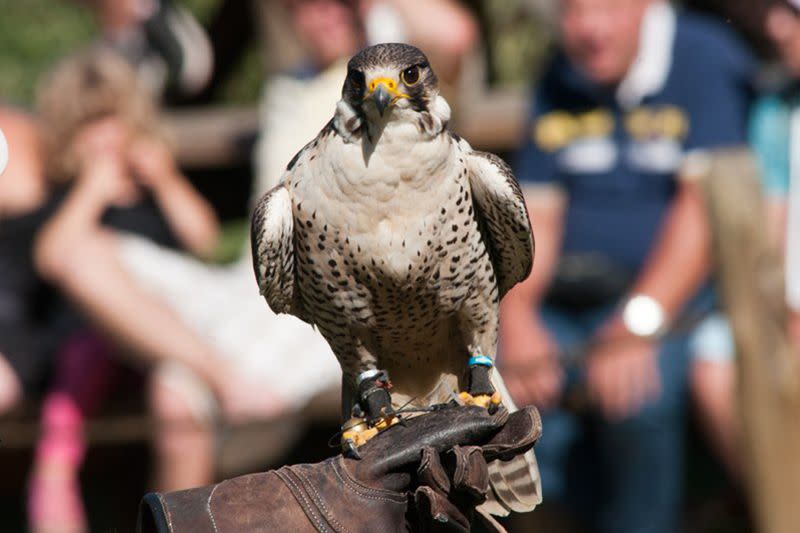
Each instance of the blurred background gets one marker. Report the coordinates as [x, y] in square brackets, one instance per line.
[655, 143]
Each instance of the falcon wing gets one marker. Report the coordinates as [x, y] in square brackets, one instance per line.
[503, 217]
[272, 241]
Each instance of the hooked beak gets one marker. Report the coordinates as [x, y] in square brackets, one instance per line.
[384, 92]
[382, 98]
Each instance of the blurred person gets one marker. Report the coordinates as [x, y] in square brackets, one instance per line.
[161, 38]
[216, 344]
[23, 192]
[771, 132]
[444, 29]
[108, 161]
[772, 123]
[111, 159]
[622, 250]
[330, 31]
[296, 104]
[32, 322]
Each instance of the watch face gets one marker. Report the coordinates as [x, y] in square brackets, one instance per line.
[3, 152]
[643, 316]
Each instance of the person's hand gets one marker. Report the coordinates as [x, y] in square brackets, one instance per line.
[622, 373]
[427, 474]
[529, 360]
[152, 163]
[105, 177]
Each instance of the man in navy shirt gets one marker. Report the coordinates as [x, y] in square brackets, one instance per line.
[622, 248]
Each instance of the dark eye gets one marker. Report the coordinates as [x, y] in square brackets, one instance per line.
[356, 78]
[410, 75]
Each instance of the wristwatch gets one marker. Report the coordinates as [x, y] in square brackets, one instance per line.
[644, 316]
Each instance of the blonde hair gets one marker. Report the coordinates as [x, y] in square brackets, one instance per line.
[84, 87]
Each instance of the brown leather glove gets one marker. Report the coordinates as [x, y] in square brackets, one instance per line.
[425, 475]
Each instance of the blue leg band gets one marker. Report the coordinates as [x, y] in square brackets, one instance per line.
[481, 360]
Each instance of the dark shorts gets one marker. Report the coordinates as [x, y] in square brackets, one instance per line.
[29, 354]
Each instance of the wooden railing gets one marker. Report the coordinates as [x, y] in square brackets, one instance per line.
[217, 137]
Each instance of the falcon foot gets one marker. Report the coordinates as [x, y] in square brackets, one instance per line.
[357, 431]
[481, 392]
[372, 414]
[482, 400]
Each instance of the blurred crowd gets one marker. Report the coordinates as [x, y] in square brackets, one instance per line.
[107, 249]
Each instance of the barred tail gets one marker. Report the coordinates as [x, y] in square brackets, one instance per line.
[516, 484]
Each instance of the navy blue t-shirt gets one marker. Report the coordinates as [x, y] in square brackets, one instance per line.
[617, 164]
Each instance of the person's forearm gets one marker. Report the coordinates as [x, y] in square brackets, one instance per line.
[679, 263]
[77, 218]
[189, 215]
[546, 211]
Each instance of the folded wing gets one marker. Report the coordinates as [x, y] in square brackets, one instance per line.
[503, 218]
[272, 241]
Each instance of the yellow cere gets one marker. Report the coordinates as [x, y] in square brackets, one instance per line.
[390, 84]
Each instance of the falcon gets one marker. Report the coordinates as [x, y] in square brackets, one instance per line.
[397, 240]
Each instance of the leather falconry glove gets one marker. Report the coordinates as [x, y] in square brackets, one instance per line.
[427, 474]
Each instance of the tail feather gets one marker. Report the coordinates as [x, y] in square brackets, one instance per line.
[516, 484]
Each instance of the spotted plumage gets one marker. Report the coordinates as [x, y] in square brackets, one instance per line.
[396, 239]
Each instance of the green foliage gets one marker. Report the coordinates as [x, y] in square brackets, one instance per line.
[232, 240]
[34, 34]
[519, 40]
[244, 86]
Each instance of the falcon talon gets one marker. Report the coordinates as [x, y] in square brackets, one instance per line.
[385, 423]
[481, 400]
[350, 450]
[355, 433]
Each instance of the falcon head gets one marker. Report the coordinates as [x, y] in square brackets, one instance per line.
[388, 77]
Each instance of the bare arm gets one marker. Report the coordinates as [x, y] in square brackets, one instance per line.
[78, 219]
[622, 370]
[190, 216]
[528, 356]
[22, 185]
[679, 262]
